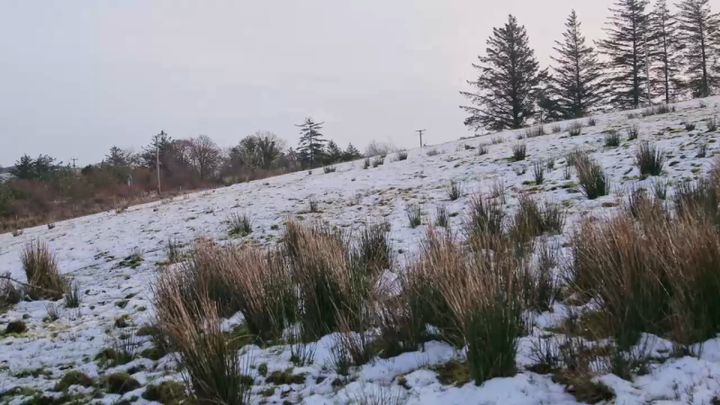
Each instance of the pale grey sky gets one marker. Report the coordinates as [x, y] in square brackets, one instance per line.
[79, 76]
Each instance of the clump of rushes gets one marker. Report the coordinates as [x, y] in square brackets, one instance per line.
[531, 220]
[633, 132]
[402, 155]
[441, 217]
[214, 371]
[649, 159]
[372, 252]
[612, 139]
[481, 289]
[454, 190]
[485, 216]
[239, 225]
[539, 172]
[519, 151]
[414, 214]
[44, 280]
[591, 177]
[575, 128]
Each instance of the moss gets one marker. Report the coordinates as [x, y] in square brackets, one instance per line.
[133, 261]
[263, 369]
[285, 377]
[147, 330]
[154, 353]
[16, 327]
[583, 388]
[35, 373]
[120, 383]
[112, 357]
[73, 377]
[167, 392]
[122, 321]
[453, 373]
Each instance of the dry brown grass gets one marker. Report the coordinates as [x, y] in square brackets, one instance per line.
[43, 278]
[215, 374]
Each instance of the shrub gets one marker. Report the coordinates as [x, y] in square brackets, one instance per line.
[239, 225]
[689, 126]
[454, 190]
[433, 152]
[519, 151]
[486, 216]
[591, 122]
[329, 169]
[649, 159]
[402, 155]
[591, 177]
[414, 214]
[44, 280]
[556, 129]
[538, 172]
[575, 128]
[612, 139]
[378, 161]
[366, 163]
[482, 150]
[633, 132]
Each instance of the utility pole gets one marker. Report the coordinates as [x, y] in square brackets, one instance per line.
[157, 160]
[420, 132]
[74, 160]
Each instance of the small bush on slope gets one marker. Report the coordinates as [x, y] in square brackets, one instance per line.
[591, 177]
[41, 271]
[649, 159]
[486, 216]
[215, 374]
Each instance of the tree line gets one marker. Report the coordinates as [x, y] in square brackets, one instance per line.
[650, 54]
[44, 188]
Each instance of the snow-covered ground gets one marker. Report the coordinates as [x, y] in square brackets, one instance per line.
[90, 250]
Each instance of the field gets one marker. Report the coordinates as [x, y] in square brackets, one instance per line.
[115, 258]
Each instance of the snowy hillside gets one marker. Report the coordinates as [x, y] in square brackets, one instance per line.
[114, 257]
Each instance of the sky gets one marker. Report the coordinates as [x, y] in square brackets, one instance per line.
[77, 77]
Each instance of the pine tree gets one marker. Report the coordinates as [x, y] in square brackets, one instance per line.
[665, 69]
[699, 31]
[575, 81]
[24, 168]
[508, 82]
[117, 157]
[310, 150]
[333, 154]
[627, 49]
[351, 153]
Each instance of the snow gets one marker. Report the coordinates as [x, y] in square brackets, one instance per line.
[89, 250]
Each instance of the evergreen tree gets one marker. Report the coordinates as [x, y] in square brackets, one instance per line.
[24, 168]
[117, 157]
[627, 49]
[699, 31]
[310, 150]
[665, 69]
[575, 81]
[548, 106]
[505, 91]
[351, 153]
[333, 154]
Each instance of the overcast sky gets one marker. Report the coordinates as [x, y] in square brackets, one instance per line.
[79, 76]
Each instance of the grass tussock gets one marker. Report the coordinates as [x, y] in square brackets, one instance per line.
[43, 278]
[486, 216]
[591, 177]
[655, 275]
[239, 225]
[649, 159]
[531, 220]
[519, 152]
[215, 373]
[454, 190]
